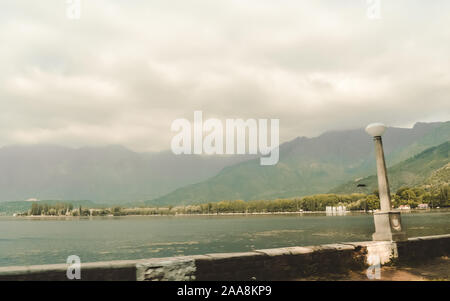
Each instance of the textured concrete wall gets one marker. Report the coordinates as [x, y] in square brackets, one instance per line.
[166, 269]
[106, 270]
[280, 264]
[270, 264]
[423, 247]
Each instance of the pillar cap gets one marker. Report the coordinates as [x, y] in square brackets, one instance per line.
[375, 129]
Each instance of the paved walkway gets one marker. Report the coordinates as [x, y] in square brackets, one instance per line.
[435, 269]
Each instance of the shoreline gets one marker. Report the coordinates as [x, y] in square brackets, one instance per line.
[225, 214]
[187, 214]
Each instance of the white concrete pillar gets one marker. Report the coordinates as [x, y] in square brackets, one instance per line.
[388, 223]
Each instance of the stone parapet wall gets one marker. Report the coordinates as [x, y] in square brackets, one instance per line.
[269, 264]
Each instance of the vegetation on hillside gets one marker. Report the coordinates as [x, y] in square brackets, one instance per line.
[411, 173]
[314, 165]
[429, 171]
[418, 195]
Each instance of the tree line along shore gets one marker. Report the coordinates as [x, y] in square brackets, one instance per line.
[412, 197]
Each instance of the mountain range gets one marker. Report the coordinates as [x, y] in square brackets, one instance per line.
[311, 165]
[111, 174]
[115, 174]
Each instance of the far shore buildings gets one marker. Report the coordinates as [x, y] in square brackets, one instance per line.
[332, 210]
[404, 207]
[420, 206]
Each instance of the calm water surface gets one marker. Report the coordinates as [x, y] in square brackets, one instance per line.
[29, 241]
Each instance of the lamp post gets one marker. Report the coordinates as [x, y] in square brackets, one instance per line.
[388, 224]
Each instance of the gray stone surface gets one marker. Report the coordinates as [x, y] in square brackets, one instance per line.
[299, 250]
[170, 269]
[268, 264]
[388, 227]
[275, 252]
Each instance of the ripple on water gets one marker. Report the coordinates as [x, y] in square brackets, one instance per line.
[275, 232]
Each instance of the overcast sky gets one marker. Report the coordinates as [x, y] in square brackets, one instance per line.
[126, 69]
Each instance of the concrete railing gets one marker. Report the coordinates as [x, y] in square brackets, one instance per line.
[270, 264]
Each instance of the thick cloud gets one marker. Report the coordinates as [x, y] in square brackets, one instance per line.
[126, 69]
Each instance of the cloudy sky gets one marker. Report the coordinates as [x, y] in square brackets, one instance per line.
[126, 69]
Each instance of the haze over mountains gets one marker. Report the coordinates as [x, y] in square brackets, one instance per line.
[116, 174]
[102, 174]
[311, 165]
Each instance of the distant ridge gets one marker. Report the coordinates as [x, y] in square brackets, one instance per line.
[117, 175]
[102, 174]
[411, 172]
[310, 165]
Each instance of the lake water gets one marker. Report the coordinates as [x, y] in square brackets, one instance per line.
[30, 241]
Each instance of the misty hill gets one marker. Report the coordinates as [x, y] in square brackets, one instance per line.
[104, 174]
[420, 169]
[115, 174]
[310, 165]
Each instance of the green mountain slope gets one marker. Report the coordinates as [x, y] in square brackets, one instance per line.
[435, 136]
[309, 166]
[420, 169]
[439, 177]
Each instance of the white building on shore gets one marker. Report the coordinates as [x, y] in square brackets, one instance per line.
[332, 210]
